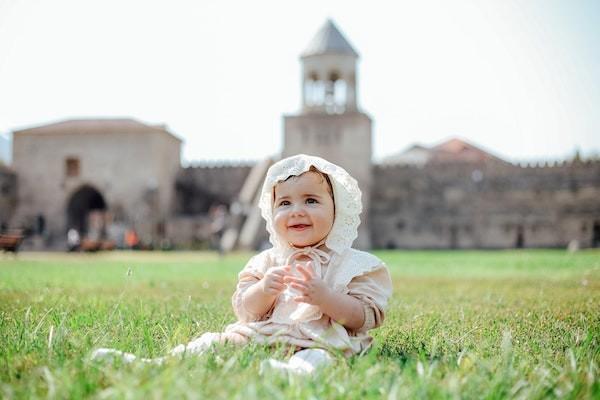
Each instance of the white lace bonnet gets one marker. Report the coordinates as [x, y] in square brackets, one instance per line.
[346, 194]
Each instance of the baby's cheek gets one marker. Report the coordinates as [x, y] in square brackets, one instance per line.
[278, 221]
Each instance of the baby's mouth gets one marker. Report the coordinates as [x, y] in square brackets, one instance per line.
[298, 227]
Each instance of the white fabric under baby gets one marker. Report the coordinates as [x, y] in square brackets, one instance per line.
[304, 362]
[197, 346]
[126, 358]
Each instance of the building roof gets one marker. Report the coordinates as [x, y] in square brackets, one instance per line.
[457, 149]
[414, 155]
[329, 40]
[452, 150]
[106, 125]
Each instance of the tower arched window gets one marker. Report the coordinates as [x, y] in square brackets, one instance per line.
[340, 95]
[318, 93]
[314, 90]
[335, 93]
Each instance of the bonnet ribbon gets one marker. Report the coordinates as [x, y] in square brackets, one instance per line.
[317, 256]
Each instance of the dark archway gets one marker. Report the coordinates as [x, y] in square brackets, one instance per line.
[520, 242]
[596, 234]
[85, 200]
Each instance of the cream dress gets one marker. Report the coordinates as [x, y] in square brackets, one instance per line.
[356, 273]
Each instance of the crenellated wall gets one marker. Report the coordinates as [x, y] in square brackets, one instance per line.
[494, 205]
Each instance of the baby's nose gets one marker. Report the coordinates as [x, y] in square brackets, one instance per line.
[298, 209]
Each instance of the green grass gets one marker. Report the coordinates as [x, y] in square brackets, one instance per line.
[501, 324]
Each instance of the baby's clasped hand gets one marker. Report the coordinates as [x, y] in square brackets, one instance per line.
[312, 289]
[273, 282]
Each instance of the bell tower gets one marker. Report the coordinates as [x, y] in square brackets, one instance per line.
[329, 73]
[330, 123]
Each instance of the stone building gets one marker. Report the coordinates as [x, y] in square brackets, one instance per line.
[92, 175]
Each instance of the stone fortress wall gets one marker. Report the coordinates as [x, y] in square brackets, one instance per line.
[452, 204]
[486, 205]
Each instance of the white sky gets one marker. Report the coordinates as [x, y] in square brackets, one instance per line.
[517, 77]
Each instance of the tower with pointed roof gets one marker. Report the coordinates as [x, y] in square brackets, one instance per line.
[330, 123]
[329, 73]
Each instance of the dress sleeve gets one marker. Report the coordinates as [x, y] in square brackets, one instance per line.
[251, 274]
[373, 290]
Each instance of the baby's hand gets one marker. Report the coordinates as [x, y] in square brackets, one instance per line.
[273, 281]
[313, 289]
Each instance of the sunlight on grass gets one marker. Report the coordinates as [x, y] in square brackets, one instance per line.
[501, 324]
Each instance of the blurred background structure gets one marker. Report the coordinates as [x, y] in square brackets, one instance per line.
[120, 182]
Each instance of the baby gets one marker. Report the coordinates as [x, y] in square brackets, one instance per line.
[311, 291]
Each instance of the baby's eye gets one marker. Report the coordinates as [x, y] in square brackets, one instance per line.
[284, 203]
[310, 200]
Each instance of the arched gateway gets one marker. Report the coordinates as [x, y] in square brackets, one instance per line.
[82, 203]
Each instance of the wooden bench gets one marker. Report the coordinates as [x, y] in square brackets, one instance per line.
[95, 245]
[108, 245]
[90, 245]
[10, 242]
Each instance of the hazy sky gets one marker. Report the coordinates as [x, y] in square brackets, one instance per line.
[518, 77]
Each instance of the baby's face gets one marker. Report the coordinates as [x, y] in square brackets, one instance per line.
[303, 210]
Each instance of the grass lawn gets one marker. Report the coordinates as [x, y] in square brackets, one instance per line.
[497, 324]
